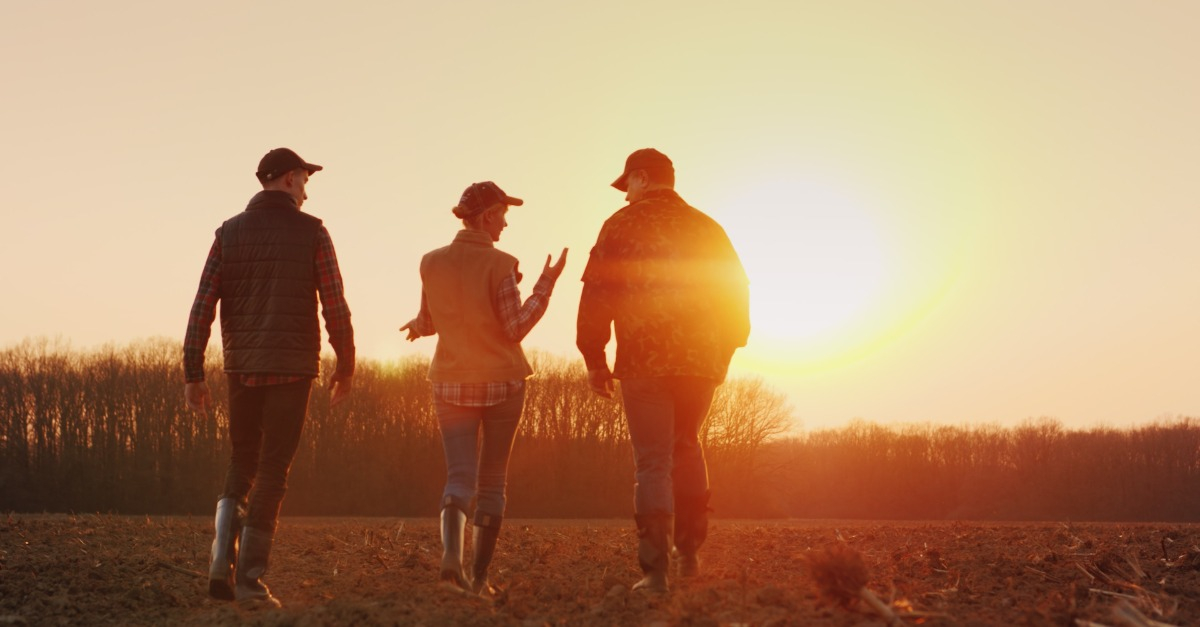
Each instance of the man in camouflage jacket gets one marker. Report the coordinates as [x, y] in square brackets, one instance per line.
[667, 278]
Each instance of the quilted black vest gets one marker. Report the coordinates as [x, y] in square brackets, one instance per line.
[269, 288]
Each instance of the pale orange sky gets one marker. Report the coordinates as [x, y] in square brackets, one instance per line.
[955, 212]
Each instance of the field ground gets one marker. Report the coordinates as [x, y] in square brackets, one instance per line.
[102, 569]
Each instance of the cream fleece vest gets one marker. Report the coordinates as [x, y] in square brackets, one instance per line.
[460, 282]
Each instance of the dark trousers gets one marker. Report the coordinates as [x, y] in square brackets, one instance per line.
[264, 428]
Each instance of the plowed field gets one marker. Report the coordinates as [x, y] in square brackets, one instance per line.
[99, 569]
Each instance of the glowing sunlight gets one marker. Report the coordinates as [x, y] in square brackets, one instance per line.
[819, 267]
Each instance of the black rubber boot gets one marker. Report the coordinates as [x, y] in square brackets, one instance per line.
[691, 529]
[654, 542]
[253, 556]
[454, 523]
[483, 543]
[224, 549]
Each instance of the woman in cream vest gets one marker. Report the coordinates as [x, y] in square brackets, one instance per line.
[470, 299]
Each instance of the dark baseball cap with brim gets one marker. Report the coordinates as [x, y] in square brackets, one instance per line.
[644, 159]
[280, 161]
[480, 196]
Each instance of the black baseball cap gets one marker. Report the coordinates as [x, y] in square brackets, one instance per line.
[643, 159]
[480, 196]
[281, 161]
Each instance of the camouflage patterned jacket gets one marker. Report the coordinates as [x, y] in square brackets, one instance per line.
[667, 278]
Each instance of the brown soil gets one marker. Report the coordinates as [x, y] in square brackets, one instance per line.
[97, 569]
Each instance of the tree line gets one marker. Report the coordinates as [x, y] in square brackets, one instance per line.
[1036, 471]
[108, 430]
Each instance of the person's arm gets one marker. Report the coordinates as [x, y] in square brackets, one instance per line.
[519, 319]
[422, 325]
[204, 311]
[593, 324]
[199, 328]
[740, 320]
[336, 313]
[734, 286]
[593, 328]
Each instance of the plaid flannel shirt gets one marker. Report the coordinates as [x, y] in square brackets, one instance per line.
[333, 307]
[517, 319]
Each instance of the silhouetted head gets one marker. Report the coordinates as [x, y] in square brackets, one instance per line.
[645, 169]
[283, 170]
[483, 207]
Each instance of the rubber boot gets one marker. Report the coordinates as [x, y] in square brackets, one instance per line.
[454, 523]
[691, 529]
[253, 556]
[654, 542]
[224, 550]
[483, 543]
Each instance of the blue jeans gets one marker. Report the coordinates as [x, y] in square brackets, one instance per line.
[664, 415]
[474, 468]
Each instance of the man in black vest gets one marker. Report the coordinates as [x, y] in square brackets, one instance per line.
[267, 266]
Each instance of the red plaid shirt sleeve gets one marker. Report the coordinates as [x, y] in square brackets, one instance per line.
[333, 304]
[204, 310]
[518, 319]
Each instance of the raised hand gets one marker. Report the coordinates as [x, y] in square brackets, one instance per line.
[553, 271]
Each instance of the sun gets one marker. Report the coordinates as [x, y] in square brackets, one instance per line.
[818, 261]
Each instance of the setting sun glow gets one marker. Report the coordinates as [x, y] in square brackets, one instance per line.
[820, 265]
[947, 210]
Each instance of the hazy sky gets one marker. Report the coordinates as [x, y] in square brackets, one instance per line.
[950, 211]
